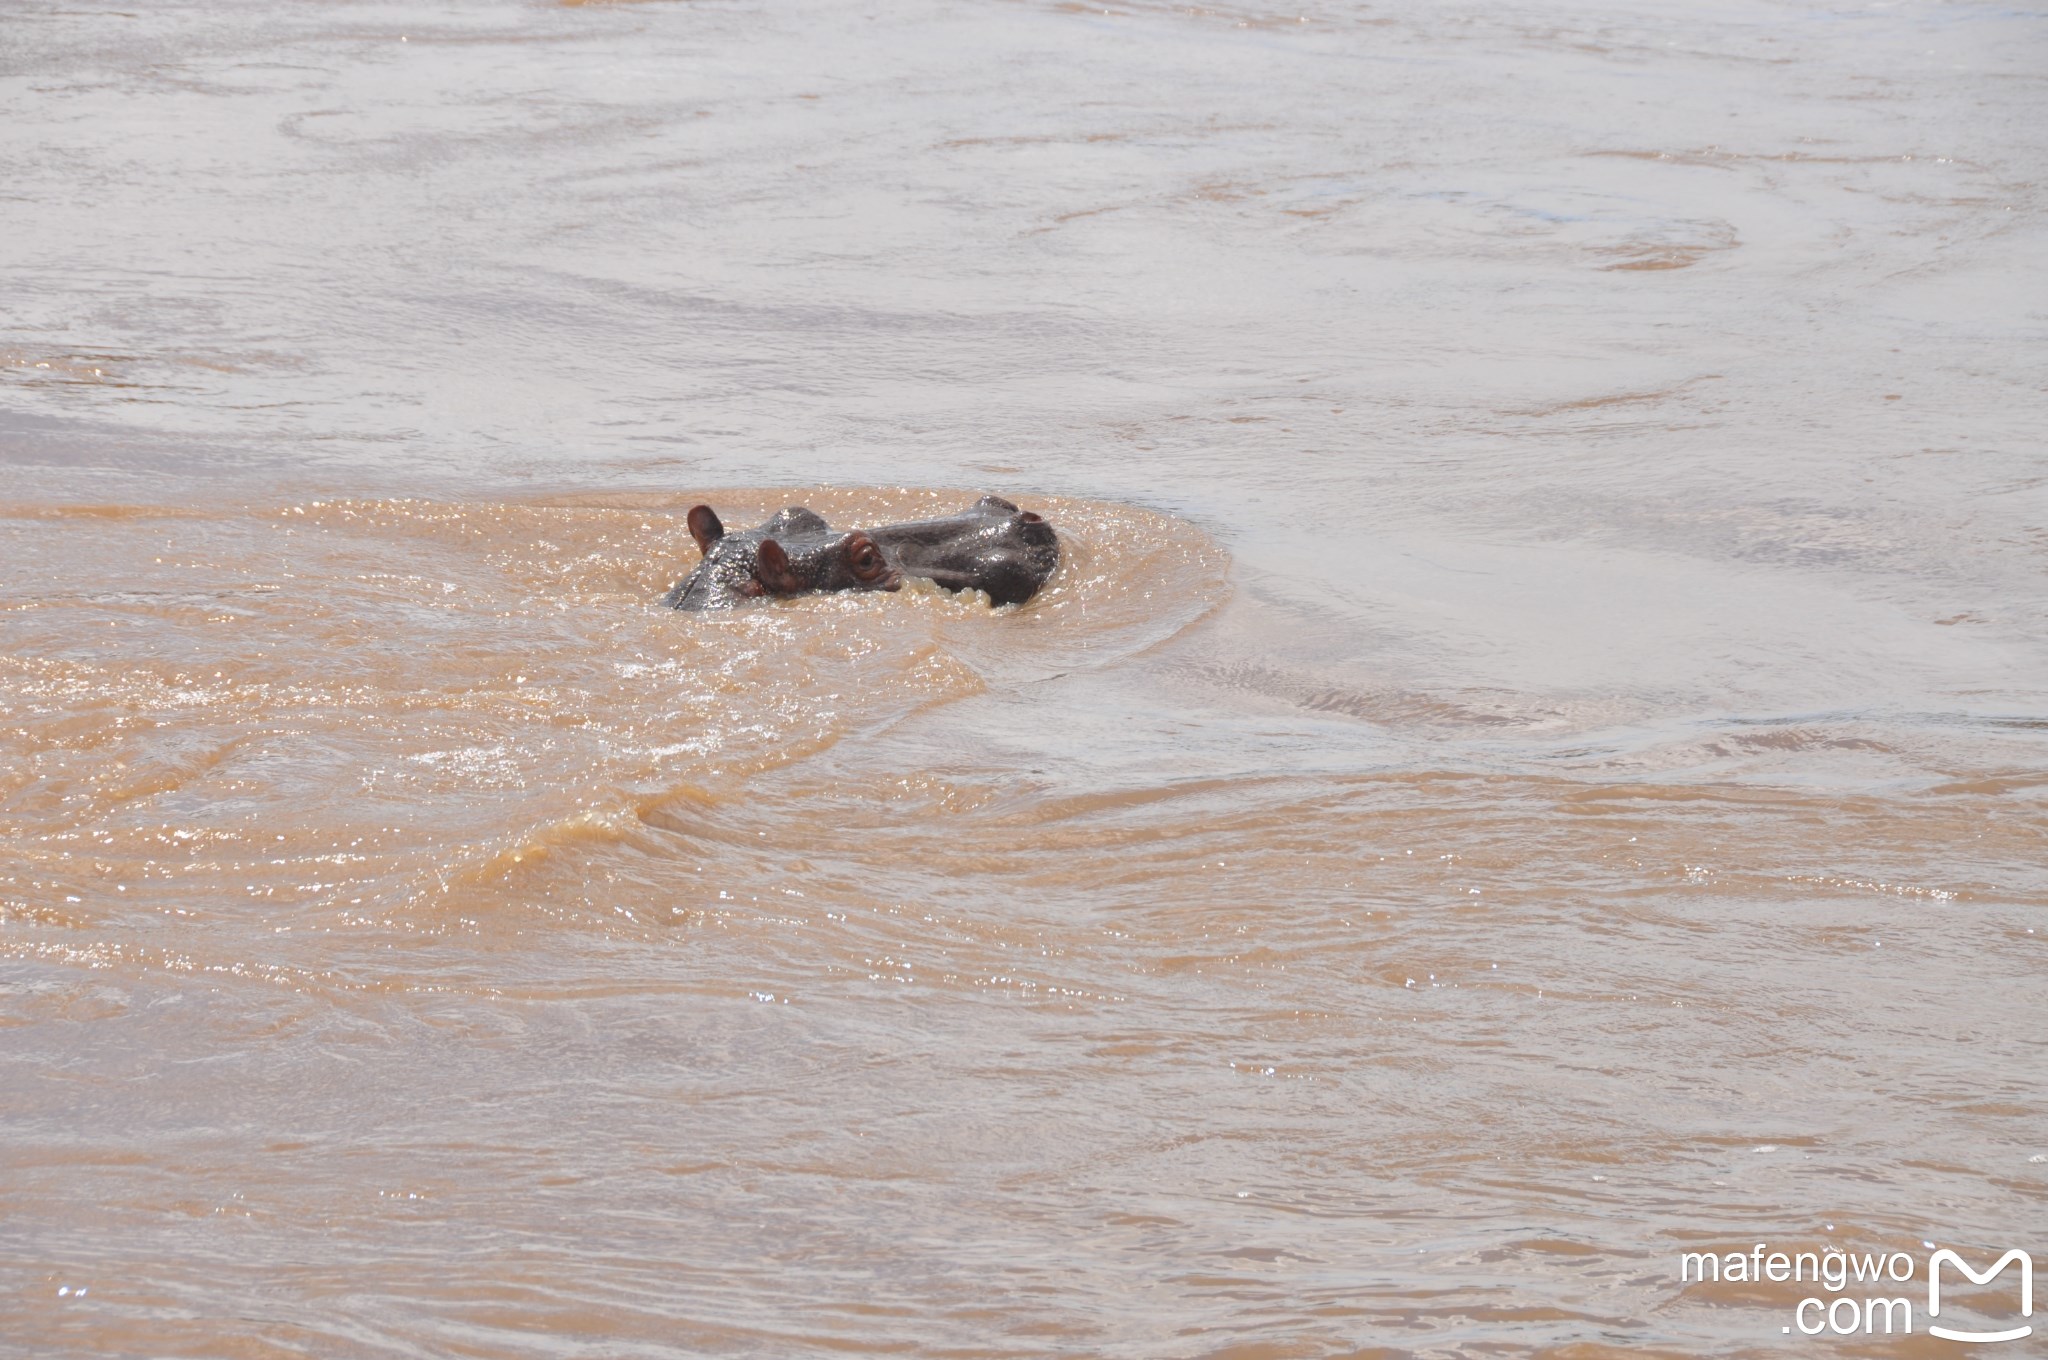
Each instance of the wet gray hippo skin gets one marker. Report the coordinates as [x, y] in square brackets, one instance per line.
[794, 553]
[991, 546]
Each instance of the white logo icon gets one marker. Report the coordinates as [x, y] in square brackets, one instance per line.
[1934, 1293]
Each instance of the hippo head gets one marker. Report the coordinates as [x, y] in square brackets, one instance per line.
[851, 562]
[794, 553]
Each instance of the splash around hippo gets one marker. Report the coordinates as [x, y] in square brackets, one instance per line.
[991, 546]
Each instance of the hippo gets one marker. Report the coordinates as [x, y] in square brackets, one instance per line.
[795, 552]
[991, 546]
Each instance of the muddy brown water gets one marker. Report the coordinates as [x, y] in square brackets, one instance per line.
[1533, 762]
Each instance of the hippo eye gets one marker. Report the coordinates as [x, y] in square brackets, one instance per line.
[867, 560]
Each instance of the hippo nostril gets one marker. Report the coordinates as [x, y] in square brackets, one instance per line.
[1033, 517]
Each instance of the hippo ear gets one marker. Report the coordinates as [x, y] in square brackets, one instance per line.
[705, 528]
[772, 569]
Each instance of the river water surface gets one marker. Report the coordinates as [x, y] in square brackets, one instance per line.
[1533, 762]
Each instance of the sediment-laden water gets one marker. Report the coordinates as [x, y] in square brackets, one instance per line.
[1532, 763]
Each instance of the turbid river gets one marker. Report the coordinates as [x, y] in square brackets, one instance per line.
[1534, 763]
